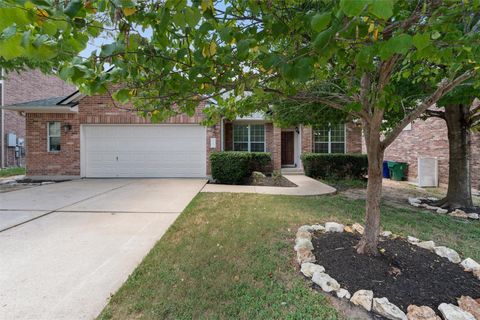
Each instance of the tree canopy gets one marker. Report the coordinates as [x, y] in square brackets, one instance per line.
[359, 57]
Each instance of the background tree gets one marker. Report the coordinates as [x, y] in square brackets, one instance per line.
[169, 55]
[461, 112]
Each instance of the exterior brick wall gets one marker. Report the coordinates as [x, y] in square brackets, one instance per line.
[353, 138]
[475, 160]
[425, 139]
[27, 86]
[92, 110]
[40, 162]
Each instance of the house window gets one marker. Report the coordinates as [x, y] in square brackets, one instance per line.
[249, 137]
[54, 136]
[330, 139]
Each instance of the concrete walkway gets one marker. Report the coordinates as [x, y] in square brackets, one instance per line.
[66, 247]
[305, 187]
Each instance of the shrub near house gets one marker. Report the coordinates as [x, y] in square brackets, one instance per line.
[233, 167]
[335, 166]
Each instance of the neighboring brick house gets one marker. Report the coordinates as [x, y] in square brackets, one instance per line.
[81, 136]
[19, 87]
[429, 139]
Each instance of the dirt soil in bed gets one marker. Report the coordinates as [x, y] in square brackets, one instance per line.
[404, 273]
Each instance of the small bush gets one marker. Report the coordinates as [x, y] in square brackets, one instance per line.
[335, 166]
[233, 167]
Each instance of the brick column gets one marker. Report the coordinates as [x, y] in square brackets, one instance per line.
[307, 142]
[277, 148]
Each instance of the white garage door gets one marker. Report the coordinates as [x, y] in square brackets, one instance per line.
[144, 151]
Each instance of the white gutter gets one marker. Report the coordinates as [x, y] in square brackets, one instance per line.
[3, 118]
[43, 109]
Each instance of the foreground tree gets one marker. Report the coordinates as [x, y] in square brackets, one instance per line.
[169, 55]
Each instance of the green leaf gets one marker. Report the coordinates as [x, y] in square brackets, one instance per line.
[50, 27]
[323, 38]
[11, 48]
[73, 7]
[436, 35]
[364, 58]
[303, 69]
[398, 44]
[353, 7]
[10, 16]
[320, 21]
[243, 46]
[421, 40]
[122, 95]
[382, 9]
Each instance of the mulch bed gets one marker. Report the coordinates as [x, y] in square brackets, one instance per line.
[404, 273]
[272, 182]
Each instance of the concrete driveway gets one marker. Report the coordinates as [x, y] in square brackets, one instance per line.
[65, 247]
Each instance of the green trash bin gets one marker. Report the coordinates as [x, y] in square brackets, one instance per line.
[397, 170]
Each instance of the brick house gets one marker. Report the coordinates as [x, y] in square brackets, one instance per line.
[429, 139]
[19, 87]
[86, 136]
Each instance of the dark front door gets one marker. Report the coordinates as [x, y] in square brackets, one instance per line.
[287, 148]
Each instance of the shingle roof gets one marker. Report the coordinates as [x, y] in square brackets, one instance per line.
[49, 102]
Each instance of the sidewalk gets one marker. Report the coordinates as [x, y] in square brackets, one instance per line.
[306, 187]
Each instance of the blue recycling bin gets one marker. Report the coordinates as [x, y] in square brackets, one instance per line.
[386, 170]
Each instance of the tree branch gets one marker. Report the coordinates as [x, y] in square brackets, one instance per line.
[435, 113]
[444, 87]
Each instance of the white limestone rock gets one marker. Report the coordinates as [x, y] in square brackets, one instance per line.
[469, 264]
[386, 234]
[358, 228]
[413, 200]
[363, 298]
[429, 245]
[448, 253]
[413, 240]
[387, 309]
[442, 211]
[327, 283]
[303, 243]
[303, 235]
[308, 269]
[452, 312]
[431, 198]
[473, 216]
[334, 227]
[317, 227]
[343, 293]
[458, 214]
[305, 255]
[306, 228]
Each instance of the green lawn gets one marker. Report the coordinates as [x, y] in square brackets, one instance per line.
[14, 171]
[231, 256]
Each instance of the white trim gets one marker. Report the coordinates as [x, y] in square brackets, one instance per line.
[42, 109]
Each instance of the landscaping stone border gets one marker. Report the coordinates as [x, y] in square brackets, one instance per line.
[457, 213]
[468, 309]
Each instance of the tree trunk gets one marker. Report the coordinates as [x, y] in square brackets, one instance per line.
[459, 194]
[369, 241]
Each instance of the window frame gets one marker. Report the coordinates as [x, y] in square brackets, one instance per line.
[329, 140]
[249, 135]
[49, 136]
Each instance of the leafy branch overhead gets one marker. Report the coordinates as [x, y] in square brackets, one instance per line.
[182, 52]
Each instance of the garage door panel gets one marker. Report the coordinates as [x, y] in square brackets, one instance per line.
[145, 151]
